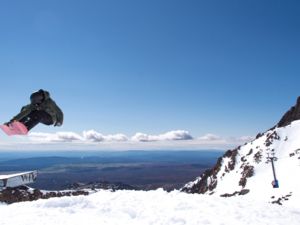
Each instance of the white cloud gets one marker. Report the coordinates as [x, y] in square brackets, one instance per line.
[176, 135]
[94, 136]
[141, 137]
[68, 136]
[213, 139]
[210, 137]
[87, 136]
[91, 139]
[55, 137]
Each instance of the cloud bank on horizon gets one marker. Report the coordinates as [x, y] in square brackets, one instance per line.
[91, 139]
[96, 137]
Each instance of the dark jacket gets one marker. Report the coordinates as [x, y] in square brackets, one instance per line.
[47, 105]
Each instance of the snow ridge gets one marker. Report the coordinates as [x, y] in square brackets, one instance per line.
[245, 169]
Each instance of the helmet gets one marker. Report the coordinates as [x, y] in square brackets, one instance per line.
[37, 97]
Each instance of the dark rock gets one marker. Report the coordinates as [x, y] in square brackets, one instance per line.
[278, 201]
[205, 184]
[250, 152]
[291, 115]
[226, 195]
[281, 200]
[232, 155]
[259, 135]
[208, 180]
[247, 172]
[258, 157]
[242, 192]
[23, 193]
[271, 137]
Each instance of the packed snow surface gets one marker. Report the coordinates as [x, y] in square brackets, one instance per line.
[152, 207]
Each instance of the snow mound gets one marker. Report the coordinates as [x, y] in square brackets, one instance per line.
[152, 207]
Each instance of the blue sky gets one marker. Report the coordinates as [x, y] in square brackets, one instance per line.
[228, 68]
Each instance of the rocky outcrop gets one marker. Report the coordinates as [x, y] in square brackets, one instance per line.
[281, 199]
[242, 192]
[291, 115]
[208, 180]
[247, 172]
[24, 193]
[271, 137]
[240, 164]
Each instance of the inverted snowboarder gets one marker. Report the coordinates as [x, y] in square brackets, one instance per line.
[42, 109]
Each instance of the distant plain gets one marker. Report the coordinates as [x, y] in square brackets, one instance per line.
[145, 170]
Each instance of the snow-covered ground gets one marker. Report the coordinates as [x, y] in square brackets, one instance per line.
[152, 207]
[243, 169]
[284, 143]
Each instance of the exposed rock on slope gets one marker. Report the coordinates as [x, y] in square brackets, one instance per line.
[24, 193]
[245, 169]
[291, 115]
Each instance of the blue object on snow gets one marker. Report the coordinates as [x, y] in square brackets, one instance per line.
[275, 184]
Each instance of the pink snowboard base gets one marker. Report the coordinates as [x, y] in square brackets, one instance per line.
[15, 128]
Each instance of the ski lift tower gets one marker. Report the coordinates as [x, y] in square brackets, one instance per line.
[271, 159]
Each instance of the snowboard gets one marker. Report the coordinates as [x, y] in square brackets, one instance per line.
[14, 128]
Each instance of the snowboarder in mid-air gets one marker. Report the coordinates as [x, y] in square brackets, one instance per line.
[42, 109]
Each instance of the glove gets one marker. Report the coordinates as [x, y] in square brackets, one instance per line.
[57, 124]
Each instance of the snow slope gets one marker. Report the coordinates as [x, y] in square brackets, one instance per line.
[143, 208]
[245, 168]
